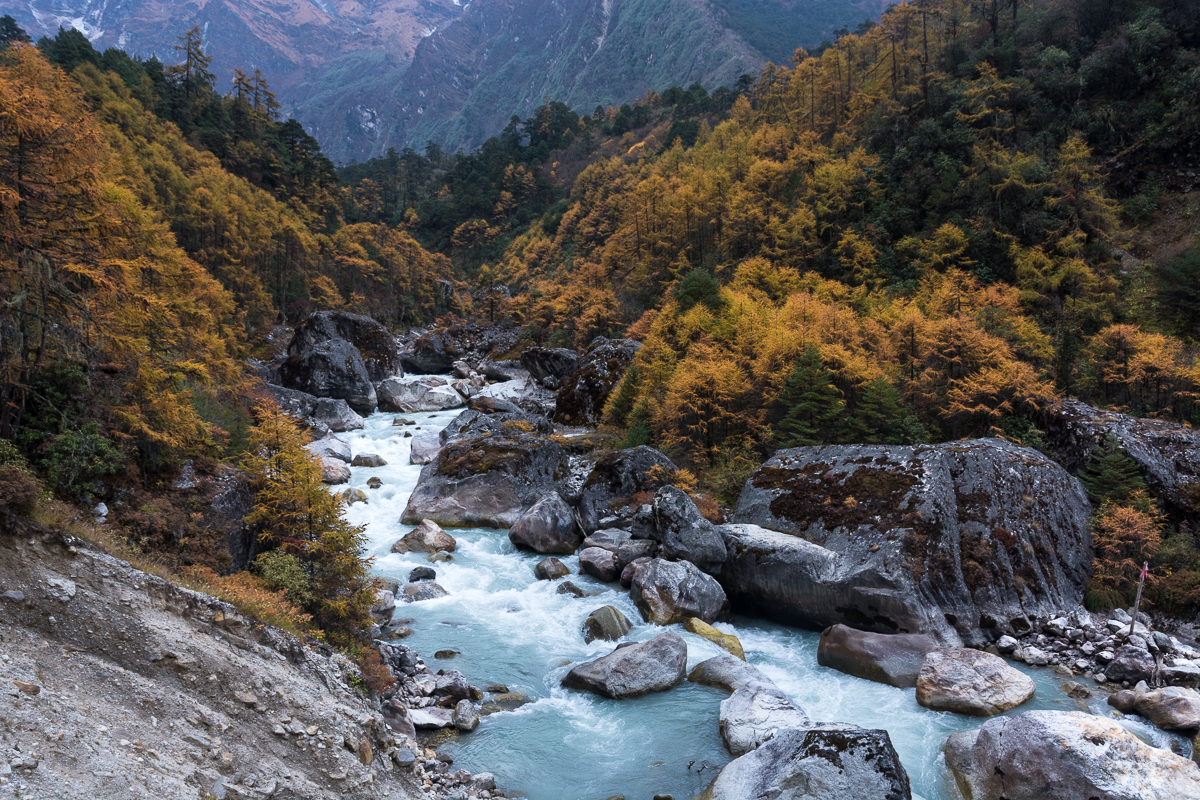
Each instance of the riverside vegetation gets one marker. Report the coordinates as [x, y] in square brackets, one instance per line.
[927, 230]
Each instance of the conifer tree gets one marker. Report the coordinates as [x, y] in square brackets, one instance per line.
[813, 403]
[1111, 475]
[881, 417]
[295, 513]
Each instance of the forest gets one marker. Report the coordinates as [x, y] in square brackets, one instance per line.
[928, 229]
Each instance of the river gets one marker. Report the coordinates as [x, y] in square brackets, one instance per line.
[513, 629]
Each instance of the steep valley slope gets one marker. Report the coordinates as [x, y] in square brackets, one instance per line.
[115, 683]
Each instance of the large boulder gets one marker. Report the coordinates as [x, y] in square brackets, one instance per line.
[894, 659]
[667, 592]
[600, 563]
[622, 479]
[336, 415]
[424, 448]
[418, 393]
[431, 354]
[755, 713]
[487, 480]
[634, 669]
[606, 622]
[816, 764]
[428, 537]
[726, 672]
[964, 540]
[1132, 664]
[1167, 452]
[1172, 709]
[548, 526]
[1064, 755]
[334, 471]
[332, 368]
[475, 423]
[330, 446]
[684, 533]
[583, 393]
[375, 345]
[971, 682]
[547, 362]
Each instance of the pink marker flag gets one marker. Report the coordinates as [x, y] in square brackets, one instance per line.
[1145, 570]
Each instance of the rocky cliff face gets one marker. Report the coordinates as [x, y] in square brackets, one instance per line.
[363, 77]
[965, 540]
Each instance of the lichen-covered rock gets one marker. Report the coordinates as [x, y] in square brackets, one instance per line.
[583, 393]
[726, 641]
[891, 658]
[487, 480]
[368, 460]
[667, 592]
[617, 477]
[633, 669]
[971, 682]
[475, 423]
[957, 540]
[1064, 755]
[684, 533]
[418, 393]
[816, 764]
[607, 623]
[351, 496]
[548, 526]
[427, 537]
[549, 362]
[1168, 453]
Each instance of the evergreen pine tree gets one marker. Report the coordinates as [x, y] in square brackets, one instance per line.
[814, 406]
[620, 405]
[883, 418]
[1110, 474]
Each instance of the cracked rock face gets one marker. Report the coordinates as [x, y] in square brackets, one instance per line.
[1056, 755]
[583, 393]
[963, 541]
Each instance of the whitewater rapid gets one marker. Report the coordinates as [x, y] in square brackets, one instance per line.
[513, 629]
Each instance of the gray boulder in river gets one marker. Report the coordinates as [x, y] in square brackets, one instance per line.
[1065, 755]
[891, 658]
[971, 682]
[487, 480]
[340, 355]
[684, 533]
[963, 540]
[548, 526]
[617, 477]
[816, 764]
[667, 592]
[634, 669]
